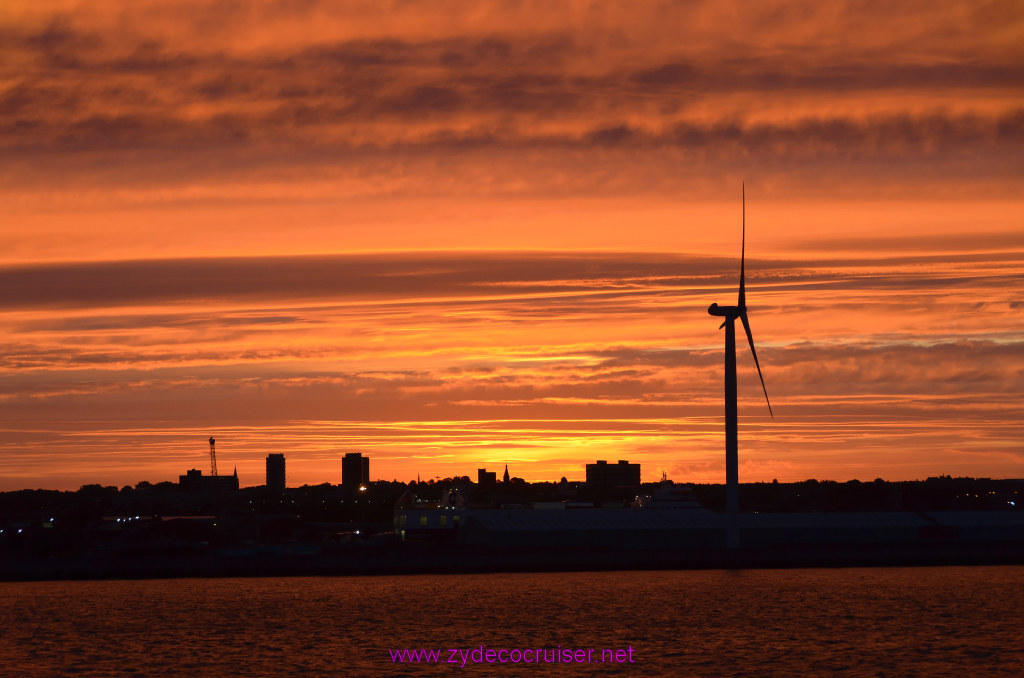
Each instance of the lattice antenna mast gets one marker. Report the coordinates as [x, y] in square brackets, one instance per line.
[213, 457]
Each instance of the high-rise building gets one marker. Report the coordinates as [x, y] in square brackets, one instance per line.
[355, 471]
[275, 473]
[486, 478]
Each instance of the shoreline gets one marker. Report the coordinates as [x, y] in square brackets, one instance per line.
[441, 559]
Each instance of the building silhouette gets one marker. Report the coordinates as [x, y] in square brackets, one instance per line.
[605, 478]
[505, 478]
[275, 473]
[194, 481]
[355, 471]
[485, 478]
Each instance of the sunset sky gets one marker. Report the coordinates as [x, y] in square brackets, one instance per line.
[452, 235]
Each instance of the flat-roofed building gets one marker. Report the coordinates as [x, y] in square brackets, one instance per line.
[195, 481]
[605, 478]
[355, 471]
[275, 473]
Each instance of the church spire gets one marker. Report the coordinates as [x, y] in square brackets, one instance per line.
[505, 477]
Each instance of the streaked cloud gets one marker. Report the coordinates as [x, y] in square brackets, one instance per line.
[878, 86]
[618, 345]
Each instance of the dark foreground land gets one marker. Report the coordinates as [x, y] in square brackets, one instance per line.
[161, 531]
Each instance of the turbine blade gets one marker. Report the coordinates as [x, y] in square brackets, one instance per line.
[750, 338]
[742, 303]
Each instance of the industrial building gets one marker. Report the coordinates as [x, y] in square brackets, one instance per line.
[607, 479]
[700, 529]
[194, 481]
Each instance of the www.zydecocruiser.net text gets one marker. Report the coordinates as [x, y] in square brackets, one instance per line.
[481, 655]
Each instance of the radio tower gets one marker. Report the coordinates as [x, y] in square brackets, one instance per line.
[213, 457]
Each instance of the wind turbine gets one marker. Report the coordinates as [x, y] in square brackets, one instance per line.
[731, 313]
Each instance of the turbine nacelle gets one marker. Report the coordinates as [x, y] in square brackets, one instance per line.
[727, 312]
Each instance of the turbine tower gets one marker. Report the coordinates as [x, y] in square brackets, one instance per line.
[730, 314]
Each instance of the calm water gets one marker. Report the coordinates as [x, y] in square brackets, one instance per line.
[888, 621]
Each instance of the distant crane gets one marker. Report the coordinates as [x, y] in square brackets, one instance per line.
[213, 457]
